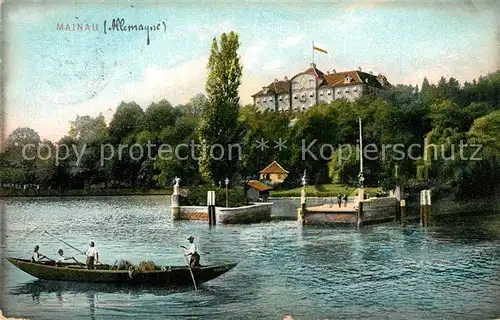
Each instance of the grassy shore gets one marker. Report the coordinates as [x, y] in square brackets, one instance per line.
[11, 193]
[325, 190]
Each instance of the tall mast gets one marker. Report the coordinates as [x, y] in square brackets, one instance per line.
[313, 51]
[360, 151]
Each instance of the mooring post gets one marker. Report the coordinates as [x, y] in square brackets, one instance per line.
[428, 207]
[214, 219]
[211, 208]
[422, 207]
[425, 207]
[302, 211]
[403, 211]
[360, 213]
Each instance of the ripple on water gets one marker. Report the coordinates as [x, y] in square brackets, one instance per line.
[384, 271]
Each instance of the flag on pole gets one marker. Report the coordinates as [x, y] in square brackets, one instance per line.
[315, 47]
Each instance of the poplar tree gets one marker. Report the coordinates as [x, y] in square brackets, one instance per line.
[219, 119]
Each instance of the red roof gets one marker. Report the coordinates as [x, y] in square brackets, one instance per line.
[328, 79]
[274, 167]
[276, 87]
[259, 185]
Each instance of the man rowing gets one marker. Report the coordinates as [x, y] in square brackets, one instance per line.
[37, 256]
[191, 251]
[61, 258]
[92, 256]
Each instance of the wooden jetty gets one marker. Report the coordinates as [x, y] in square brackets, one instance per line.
[373, 210]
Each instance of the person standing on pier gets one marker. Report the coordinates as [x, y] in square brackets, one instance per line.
[345, 200]
[92, 256]
[339, 200]
[193, 252]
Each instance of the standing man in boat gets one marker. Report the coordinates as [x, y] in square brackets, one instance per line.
[92, 256]
[193, 252]
[37, 256]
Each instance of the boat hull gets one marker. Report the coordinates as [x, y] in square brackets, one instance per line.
[174, 276]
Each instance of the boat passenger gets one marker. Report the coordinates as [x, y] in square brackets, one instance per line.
[61, 258]
[193, 252]
[92, 256]
[37, 256]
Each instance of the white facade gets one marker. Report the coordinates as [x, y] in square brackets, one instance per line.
[283, 102]
[313, 87]
[349, 93]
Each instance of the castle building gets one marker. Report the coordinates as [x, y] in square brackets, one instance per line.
[312, 86]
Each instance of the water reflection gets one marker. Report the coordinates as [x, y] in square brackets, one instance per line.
[37, 287]
[91, 300]
[311, 272]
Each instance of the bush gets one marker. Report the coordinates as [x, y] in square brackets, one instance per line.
[197, 196]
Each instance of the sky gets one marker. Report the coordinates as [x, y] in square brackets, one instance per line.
[52, 75]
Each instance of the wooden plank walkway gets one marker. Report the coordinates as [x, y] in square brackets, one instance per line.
[333, 208]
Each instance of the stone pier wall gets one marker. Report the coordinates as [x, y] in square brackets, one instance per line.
[254, 213]
[193, 213]
[335, 218]
[257, 212]
[379, 209]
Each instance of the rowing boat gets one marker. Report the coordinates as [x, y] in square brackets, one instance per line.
[170, 276]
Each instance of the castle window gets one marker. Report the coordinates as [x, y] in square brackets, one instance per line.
[295, 96]
[347, 91]
[311, 94]
[311, 83]
[270, 99]
[258, 100]
[321, 93]
[338, 92]
[356, 90]
[329, 92]
[280, 98]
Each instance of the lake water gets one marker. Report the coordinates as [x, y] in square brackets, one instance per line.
[448, 271]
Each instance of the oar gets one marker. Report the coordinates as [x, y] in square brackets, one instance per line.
[80, 252]
[64, 242]
[190, 271]
[77, 261]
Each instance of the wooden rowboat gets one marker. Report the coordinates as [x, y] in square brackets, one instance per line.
[171, 276]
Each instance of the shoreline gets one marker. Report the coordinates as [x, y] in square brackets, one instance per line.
[47, 193]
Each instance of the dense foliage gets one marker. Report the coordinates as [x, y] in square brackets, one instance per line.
[198, 197]
[131, 151]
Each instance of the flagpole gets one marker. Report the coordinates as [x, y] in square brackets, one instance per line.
[313, 51]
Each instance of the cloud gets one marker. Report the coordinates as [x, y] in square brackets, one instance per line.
[176, 84]
[275, 64]
[290, 41]
[210, 31]
[252, 55]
